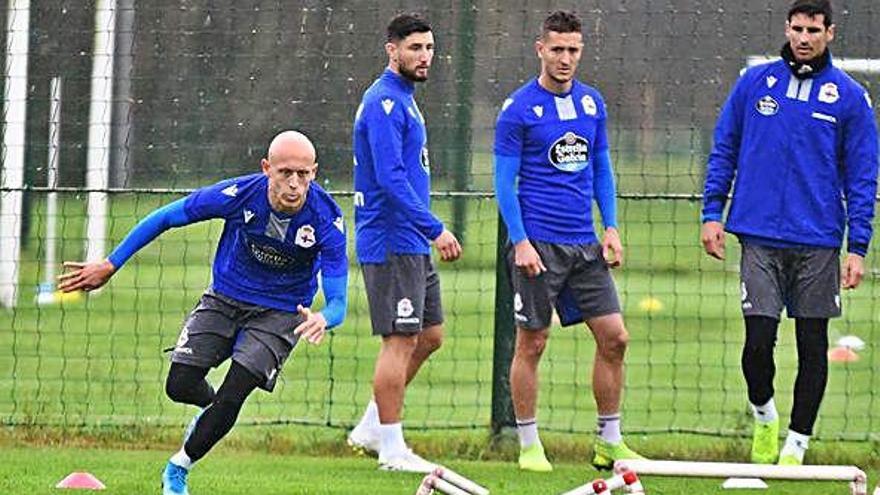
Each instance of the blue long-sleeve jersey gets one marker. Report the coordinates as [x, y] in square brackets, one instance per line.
[264, 257]
[797, 148]
[556, 146]
[392, 178]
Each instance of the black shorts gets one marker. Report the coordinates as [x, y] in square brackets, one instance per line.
[219, 327]
[577, 282]
[806, 281]
[403, 294]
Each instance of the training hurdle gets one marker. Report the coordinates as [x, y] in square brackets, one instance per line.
[855, 476]
[626, 479]
[445, 480]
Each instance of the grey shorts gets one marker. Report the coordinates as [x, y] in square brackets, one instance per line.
[806, 281]
[403, 294]
[219, 327]
[577, 282]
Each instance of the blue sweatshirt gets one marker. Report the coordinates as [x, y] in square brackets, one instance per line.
[264, 257]
[804, 156]
[392, 178]
[556, 146]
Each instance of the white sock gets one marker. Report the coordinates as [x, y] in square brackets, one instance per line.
[370, 419]
[528, 432]
[392, 439]
[796, 444]
[181, 459]
[608, 428]
[765, 413]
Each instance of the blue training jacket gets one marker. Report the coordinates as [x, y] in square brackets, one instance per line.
[804, 155]
[392, 178]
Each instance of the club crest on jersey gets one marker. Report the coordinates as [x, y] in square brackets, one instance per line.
[589, 105]
[767, 106]
[570, 153]
[828, 93]
[305, 236]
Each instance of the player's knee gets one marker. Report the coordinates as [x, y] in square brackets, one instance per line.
[430, 341]
[178, 389]
[613, 347]
[533, 346]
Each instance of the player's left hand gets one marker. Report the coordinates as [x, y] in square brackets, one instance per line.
[612, 249]
[853, 271]
[313, 328]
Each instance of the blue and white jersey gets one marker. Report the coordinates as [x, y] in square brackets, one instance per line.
[392, 178]
[266, 257]
[555, 137]
[804, 155]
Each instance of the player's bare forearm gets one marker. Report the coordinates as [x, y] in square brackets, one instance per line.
[85, 275]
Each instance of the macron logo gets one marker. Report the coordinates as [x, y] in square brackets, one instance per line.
[248, 214]
[231, 191]
[388, 104]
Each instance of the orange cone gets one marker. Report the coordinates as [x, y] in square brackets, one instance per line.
[81, 481]
[841, 354]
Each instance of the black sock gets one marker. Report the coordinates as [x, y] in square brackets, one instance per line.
[219, 418]
[812, 376]
[757, 358]
[186, 384]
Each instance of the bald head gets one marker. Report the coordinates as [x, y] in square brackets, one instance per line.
[290, 167]
[291, 145]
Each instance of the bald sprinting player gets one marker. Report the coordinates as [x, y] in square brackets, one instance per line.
[280, 231]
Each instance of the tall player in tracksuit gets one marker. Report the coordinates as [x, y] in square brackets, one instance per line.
[280, 232]
[799, 137]
[394, 231]
[551, 162]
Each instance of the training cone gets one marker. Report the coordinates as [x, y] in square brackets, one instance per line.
[842, 354]
[81, 481]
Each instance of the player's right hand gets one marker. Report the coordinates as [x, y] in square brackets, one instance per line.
[527, 259]
[447, 244]
[712, 235]
[85, 276]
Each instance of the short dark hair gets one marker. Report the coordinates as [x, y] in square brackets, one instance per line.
[561, 21]
[812, 8]
[403, 25]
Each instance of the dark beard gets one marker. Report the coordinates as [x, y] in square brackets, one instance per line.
[411, 75]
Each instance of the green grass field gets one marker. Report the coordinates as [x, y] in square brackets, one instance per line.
[98, 362]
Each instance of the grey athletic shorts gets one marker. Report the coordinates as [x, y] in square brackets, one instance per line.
[403, 294]
[577, 282]
[806, 281]
[219, 327]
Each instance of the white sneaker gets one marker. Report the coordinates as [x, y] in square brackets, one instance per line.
[365, 439]
[406, 461]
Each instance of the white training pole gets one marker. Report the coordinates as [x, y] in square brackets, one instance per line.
[100, 113]
[740, 470]
[12, 175]
[448, 488]
[52, 179]
[864, 65]
[460, 481]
